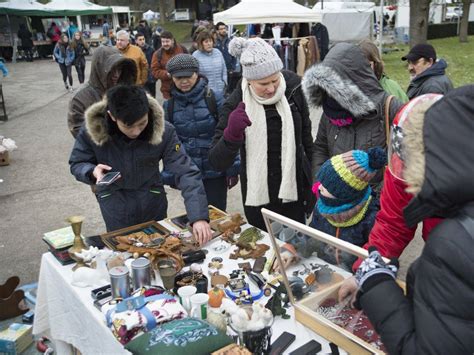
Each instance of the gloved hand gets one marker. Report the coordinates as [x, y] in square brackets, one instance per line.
[372, 271]
[232, 181]
[238, 121]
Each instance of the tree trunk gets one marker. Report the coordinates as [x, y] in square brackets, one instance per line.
[162, 5]
[466, 5]
[419, 12]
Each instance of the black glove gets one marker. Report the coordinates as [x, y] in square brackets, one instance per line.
[372, 271]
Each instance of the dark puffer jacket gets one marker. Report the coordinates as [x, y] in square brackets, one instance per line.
[138, 196]
[105, 61]
[223, 153]
[346, 76]
[437, 315]
[195, 126]
[432, 81]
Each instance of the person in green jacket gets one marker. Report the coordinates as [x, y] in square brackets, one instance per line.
[371, 51]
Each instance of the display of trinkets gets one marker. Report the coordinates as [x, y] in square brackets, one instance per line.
[312, 285]
[247, 246]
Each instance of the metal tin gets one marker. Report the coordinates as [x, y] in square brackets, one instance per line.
[141, 273]
[120, 282]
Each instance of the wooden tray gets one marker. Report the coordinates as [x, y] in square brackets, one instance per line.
[181, 221]
[147, 227]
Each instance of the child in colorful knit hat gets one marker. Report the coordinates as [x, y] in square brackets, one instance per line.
[346, 206]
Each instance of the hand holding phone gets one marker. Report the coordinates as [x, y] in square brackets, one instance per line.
[109, 178]
[100, 170]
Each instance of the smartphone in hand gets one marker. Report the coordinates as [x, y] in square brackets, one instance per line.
[109, 178]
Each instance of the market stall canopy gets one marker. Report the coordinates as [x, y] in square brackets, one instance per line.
[264, 11]
[346, 21]
[23, 8]
[76, 7]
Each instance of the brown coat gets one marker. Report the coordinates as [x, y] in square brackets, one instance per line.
[135, 53]
[158, 67]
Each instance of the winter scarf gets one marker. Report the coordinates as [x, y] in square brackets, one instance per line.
[256, 146]
[341, 214]
[338, 116]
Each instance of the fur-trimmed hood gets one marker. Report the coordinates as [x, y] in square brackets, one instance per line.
[438, 164]
[97, 127]
[346, 76]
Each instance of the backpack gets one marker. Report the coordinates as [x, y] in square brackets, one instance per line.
[211, 104]
[50, 33]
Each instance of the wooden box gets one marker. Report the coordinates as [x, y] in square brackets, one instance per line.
[306, 308]
[4, 158]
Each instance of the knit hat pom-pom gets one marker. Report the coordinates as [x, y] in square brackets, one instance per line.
[237, 45]
[377, 158]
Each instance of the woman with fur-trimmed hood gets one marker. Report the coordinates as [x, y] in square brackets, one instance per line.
[431, 151]
[353, 105]
[126, 133]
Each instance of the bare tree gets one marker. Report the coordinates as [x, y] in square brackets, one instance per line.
[463, 29]
[162, 5]
[419, 12]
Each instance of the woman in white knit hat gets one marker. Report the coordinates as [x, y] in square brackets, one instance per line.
[266, 119]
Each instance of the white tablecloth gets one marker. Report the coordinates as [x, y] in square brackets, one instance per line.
[66, 313]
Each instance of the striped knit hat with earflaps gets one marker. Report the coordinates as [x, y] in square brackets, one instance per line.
[346, 177]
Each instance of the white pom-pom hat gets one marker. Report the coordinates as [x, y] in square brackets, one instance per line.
[258, 59]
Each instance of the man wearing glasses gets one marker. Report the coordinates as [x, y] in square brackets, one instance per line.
[426, 73]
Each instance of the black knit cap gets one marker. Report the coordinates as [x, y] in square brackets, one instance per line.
[182, 65]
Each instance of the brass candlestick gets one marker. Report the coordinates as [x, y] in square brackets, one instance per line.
[76, 224]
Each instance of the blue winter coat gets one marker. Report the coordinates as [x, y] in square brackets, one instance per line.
[138, 196]
[61, 58]
[222, 44]
[195, 127]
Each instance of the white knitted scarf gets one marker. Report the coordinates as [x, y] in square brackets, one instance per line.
[256, 146]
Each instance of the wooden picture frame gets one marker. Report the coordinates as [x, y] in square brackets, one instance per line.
[305, 309]
[110, 241]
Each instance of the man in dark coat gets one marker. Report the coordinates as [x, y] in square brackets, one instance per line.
[126, 132]
[437, 315]
[108, 68]
[150, 84]
[26, 42]
[428, 76]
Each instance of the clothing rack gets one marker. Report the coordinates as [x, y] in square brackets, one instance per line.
[286, 38]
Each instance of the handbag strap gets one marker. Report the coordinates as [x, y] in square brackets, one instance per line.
[388, 101]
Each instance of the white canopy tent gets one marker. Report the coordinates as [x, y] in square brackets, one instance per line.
[347, 21]
[264, 11]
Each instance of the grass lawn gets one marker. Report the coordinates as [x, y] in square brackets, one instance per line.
[459, 57]
[180, 30]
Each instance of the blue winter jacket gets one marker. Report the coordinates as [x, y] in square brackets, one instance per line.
[61, 58]
[213, 67]
[195, 126]
[138, 196]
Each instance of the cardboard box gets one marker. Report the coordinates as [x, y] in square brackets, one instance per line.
[15, 339]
